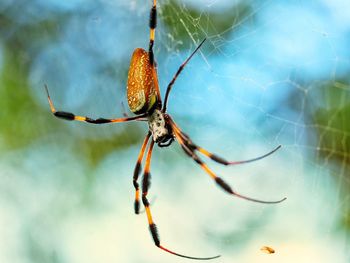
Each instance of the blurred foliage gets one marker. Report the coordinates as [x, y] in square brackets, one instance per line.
[327, 112]
[335, 138]
[23, 120]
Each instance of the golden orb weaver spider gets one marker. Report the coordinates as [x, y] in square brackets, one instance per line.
[144, 100]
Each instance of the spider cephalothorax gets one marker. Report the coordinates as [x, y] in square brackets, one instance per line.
[160, 129]
[144, 100]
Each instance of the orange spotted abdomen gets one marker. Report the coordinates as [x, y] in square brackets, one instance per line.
[141, 91]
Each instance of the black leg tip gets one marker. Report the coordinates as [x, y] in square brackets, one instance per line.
[64, 115]
[137, 207]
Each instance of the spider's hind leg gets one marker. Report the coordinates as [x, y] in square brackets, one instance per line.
[152, 226]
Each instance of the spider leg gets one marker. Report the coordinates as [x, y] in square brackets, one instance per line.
[213, 156]
[72, 117]
[137, 172]
[152, 25]
[221, 183]
[221, 160]
[152, 225]
[170, 85]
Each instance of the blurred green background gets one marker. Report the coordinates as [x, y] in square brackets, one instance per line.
[269, 73]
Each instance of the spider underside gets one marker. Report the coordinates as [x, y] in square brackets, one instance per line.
[160, 129]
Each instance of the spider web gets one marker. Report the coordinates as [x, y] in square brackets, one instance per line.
[269, 73]
[280, 72]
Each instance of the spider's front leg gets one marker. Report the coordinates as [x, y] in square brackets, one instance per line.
[72, 117]
[137, 171]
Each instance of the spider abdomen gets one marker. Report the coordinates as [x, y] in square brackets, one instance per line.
[141, 91]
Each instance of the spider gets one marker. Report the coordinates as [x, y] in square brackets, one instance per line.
[145, 102]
